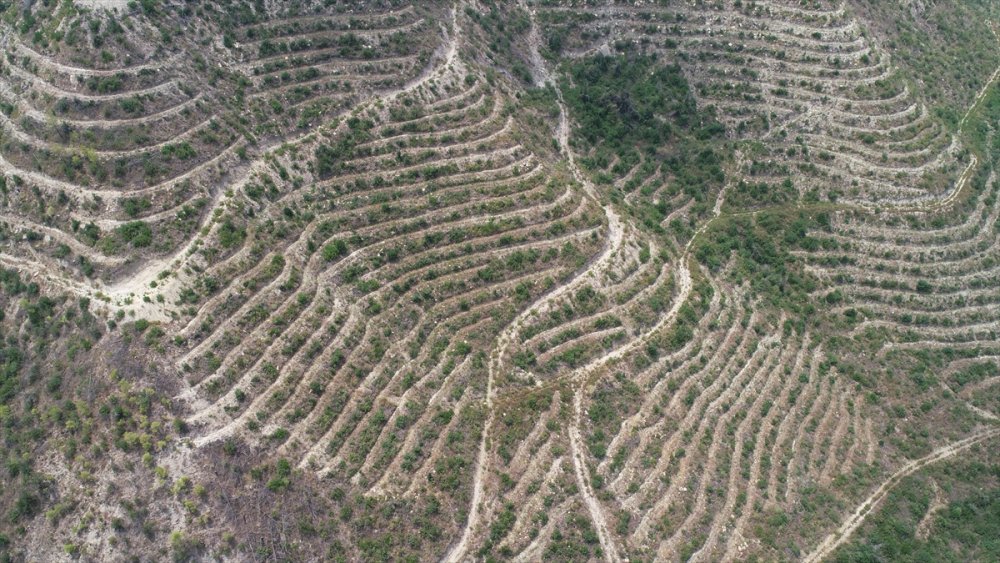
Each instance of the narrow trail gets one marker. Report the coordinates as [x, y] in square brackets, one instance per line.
[7, 127]
[584, 483]
[982, 384]
[963, 396]
[982, 93]
[75, 71]
[856, 518]
[963, 180]
[150, 119]
[57, 92]
[615, 238]
[927, 522]
[982, 412]
[580, 377]
[615, 232]
[503, 342]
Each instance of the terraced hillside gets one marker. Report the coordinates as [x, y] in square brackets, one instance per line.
[568, 280]
[824, 103]
[115, 166]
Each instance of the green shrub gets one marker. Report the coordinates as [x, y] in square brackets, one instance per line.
[230, 235]
[334, 250]
[136, 233]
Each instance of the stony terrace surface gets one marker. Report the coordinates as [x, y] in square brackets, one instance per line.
[396, 299]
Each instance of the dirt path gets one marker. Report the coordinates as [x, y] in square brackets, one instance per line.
[982, 94]
[615, 229]
[615, 239]
[978, 386]
[104, 4]
[583, 481]
[58, 93]
[147, 120]
[503, 342]
[75, 71]
[8, 126]
[579, 463]
[927, 522]
[856, 518]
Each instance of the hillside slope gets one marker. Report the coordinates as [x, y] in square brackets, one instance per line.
[476, 280]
